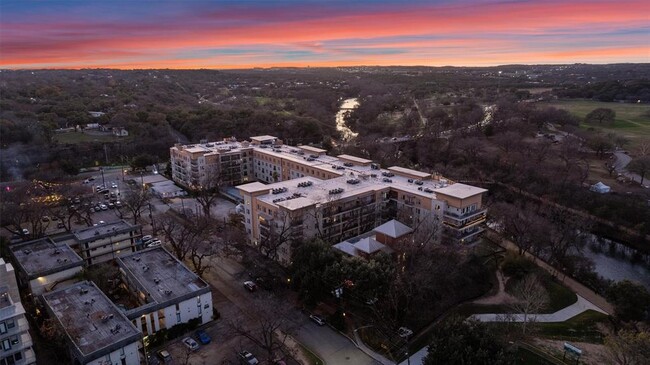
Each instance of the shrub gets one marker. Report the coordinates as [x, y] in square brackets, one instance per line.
[517, 266]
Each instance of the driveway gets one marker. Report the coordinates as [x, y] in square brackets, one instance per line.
[622, 160]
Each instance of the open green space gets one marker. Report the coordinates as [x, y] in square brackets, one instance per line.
[528, 355]
[78, 137]
[581, 328]
[559, 296]
[632, 120]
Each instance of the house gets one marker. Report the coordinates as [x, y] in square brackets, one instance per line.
[120, 132]
[96, 331]
[43, 264]
[15, 341]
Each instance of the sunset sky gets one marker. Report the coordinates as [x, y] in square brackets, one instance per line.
[246, 33]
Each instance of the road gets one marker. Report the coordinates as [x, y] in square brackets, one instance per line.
[331, 347]
[622, 160]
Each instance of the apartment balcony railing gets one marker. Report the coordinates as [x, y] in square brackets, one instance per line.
[465, 215]
[474, 219]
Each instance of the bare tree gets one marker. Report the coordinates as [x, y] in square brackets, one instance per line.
[628, 347]
[180, 234]
[279, 231]
[271, 323]
[532, 298]
[207, 192]
[134, 202]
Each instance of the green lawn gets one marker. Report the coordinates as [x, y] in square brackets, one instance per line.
[77, 137]
[632, 120]
[581, 328]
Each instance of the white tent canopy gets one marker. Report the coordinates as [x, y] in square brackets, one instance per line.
[601, 188]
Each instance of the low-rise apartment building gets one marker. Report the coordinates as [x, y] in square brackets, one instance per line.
[96, 331]
[166, 291]
[43, 264]
[105, 241]
[15, 341]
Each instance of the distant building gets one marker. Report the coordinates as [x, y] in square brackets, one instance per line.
[167, 189]
[97, 332]
[96, 114]
[120, 132]
[167, 292]
[42, 264]
[15, 341]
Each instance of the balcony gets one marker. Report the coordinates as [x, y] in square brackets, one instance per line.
[465, 215]
[467, 221]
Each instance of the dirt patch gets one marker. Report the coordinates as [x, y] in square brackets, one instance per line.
[501, 297]
[592, 354]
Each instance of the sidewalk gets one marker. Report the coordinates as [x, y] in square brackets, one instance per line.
[588, 294]
[362, 346]
[581, 305]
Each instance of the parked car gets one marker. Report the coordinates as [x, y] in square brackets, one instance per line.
[153, 243]
[25, 231]
[190, 344]
[153, 360]
[60, 225]
[203, 337]
[103, 207]
[246, 358]
[319, 321]
[250, 286]
[165, 356]
[114, 185]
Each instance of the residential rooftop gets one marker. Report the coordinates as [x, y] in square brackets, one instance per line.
[93, 324]
[161, 275]
[461, 191]
[103, 230]
[44, 256]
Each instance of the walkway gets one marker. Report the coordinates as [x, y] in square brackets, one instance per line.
[581, 305]
[571, 283]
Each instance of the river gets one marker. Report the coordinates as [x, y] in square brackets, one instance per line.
[346, 133]
[614, 261]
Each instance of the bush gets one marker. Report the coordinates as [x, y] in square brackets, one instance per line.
[337, 320]
[517, 266]
[631, 301]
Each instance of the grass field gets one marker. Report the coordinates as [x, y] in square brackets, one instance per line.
[632, 120]
[581, 328]
[77, 137]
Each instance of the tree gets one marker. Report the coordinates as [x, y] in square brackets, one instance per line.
[600, 144]
[207, 192]
[601, 115]
[629, 347]
[273, 323]
[532, 298]
[134, 201]
[460, 341]
[631, 301]
[640, 166]
[141, 161]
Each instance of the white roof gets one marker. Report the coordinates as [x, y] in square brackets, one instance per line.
[263, 138]
[368, 245]
[460, 191]
[393, 228]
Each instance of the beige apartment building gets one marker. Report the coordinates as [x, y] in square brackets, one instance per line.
[15, 341]
[298, 192]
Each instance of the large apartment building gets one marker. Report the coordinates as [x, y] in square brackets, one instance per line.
[15, 341]
[300, 192]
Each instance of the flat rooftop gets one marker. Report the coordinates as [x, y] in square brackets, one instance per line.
[161, 275]
[461, 191]
[44, 256]
[94, 325]
[104, 230]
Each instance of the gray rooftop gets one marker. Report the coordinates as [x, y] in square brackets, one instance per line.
[44, 256]
[393, 228]
[161, 275]
[104, 230]
[93, 324]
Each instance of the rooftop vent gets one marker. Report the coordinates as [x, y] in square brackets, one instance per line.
[387, 174]
[83, 291]
[348, 164]
[279, 190]
[353, 181]
[419, 182]
[305, 184]
[145, 268]
[27, 251]
[168, 292]
[387, 180]
[116, 329]
[156, 280]
[336, 191]
[56, 251]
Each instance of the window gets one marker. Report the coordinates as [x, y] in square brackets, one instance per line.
[6, 345]
[178, 317]
[11, 323]
[3, 327]
[18, 356]
[14, 340]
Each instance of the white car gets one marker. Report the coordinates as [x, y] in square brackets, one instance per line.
[247, 358]
[103, 207]
[190, 343]
[114, 185]
[153, 243]
[319, 321]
